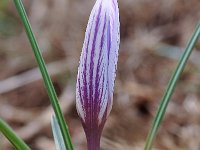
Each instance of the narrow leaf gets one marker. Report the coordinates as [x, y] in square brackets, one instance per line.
[60, 145]
[46, 78]
[170, 88]
[16, 141]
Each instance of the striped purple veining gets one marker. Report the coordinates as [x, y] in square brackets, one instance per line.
[97, 69]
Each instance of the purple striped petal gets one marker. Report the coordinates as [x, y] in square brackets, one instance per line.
[97, 69]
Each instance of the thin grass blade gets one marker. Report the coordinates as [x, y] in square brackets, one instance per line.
[60, 145]
[8, 132]
[47, 80]
[170, 88]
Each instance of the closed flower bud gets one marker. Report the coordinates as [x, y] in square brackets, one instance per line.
[97, 69]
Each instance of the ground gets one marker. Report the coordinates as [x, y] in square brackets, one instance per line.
[153, 37]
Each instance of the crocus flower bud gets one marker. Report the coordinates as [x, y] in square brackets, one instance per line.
[97, 69]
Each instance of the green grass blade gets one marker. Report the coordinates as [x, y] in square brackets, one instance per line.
[17, 142]
[60, 145]
[170, 88]
[47, 81]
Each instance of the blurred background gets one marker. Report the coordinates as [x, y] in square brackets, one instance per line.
[153, 36]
